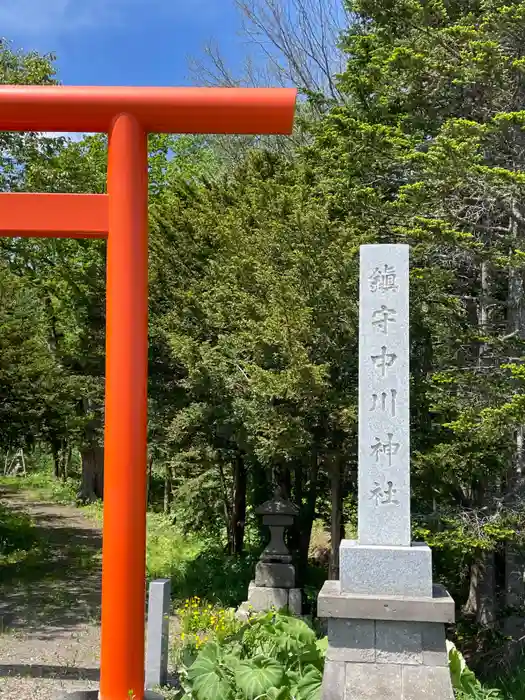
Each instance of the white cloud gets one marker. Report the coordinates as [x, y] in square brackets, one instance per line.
[37, 18]
[45, 17]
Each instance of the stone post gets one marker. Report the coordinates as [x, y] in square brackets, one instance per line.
[386, 635]
[159, 605]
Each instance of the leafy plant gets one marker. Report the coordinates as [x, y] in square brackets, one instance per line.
[464, 681]
[273, 656]
[201, 623]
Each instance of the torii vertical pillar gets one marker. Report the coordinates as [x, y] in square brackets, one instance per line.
[125, 409]
[127, 115]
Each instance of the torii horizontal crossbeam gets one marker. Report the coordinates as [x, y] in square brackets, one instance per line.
[53, 215]
[157, 109]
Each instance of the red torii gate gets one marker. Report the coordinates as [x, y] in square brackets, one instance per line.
[127, 114]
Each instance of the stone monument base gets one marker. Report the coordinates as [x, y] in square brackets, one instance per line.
[362, 681]
[376, 569]
[386, 647]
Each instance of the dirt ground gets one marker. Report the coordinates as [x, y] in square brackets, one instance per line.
[50, 608]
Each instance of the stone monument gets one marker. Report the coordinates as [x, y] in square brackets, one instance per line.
[274, 584]
[157, 647]
[386, 633]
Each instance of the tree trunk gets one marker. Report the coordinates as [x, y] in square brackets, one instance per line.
[514, 625]
[55, 449]
[92, 487]
[482, 591]
[282, 478]
[306, 519]
[286, 482]
[227, 509]
[92, 456]
[487, 592]
[336, 518]
[239, 505]
[298, 485]
[148, 481]
[481, 602]
[62, 458]
[68, 453]
[61, 452]
[484, 304]
[168, 494]
[261, 492]
[297, 497]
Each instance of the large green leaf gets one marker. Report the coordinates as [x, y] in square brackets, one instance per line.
[306, 655]
[462, 677]
[206, 677]
[256, 676]
[309, 687]
[322, 646]
[231, 661]
[297, 629]
[282, 693]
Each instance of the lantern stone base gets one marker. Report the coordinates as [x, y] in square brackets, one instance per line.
[385, 647]
[274, 575]
[261, 598]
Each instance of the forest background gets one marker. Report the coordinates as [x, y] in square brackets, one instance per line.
[410, 129]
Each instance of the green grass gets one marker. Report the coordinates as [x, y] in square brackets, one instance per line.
[28, 554]
[505, 686]
[17, 534]
[513, 684]
[196, 566]
[43, 484]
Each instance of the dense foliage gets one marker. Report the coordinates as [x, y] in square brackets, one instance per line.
[272, 656]
[253, 302]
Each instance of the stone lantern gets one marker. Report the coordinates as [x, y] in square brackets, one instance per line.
[274, 584]
[278, 513]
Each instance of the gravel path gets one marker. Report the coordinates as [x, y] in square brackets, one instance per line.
[50, 606]
[50, 610]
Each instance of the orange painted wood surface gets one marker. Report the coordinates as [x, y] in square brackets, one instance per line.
[126, 420]
[54, 215]
[158, 109]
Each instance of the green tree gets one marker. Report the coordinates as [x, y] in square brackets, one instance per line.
[29, 376]
[18, 67]
[428, 150]
[262, 330]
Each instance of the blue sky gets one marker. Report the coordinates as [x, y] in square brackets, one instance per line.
[122, 42]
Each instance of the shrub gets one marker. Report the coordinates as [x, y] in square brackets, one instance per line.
[465, 683]
[219, 578]
[201, 623]
[273, 656]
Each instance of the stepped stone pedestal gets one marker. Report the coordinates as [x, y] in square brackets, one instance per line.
[386, 619]
[385, 647]
[274, 584]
